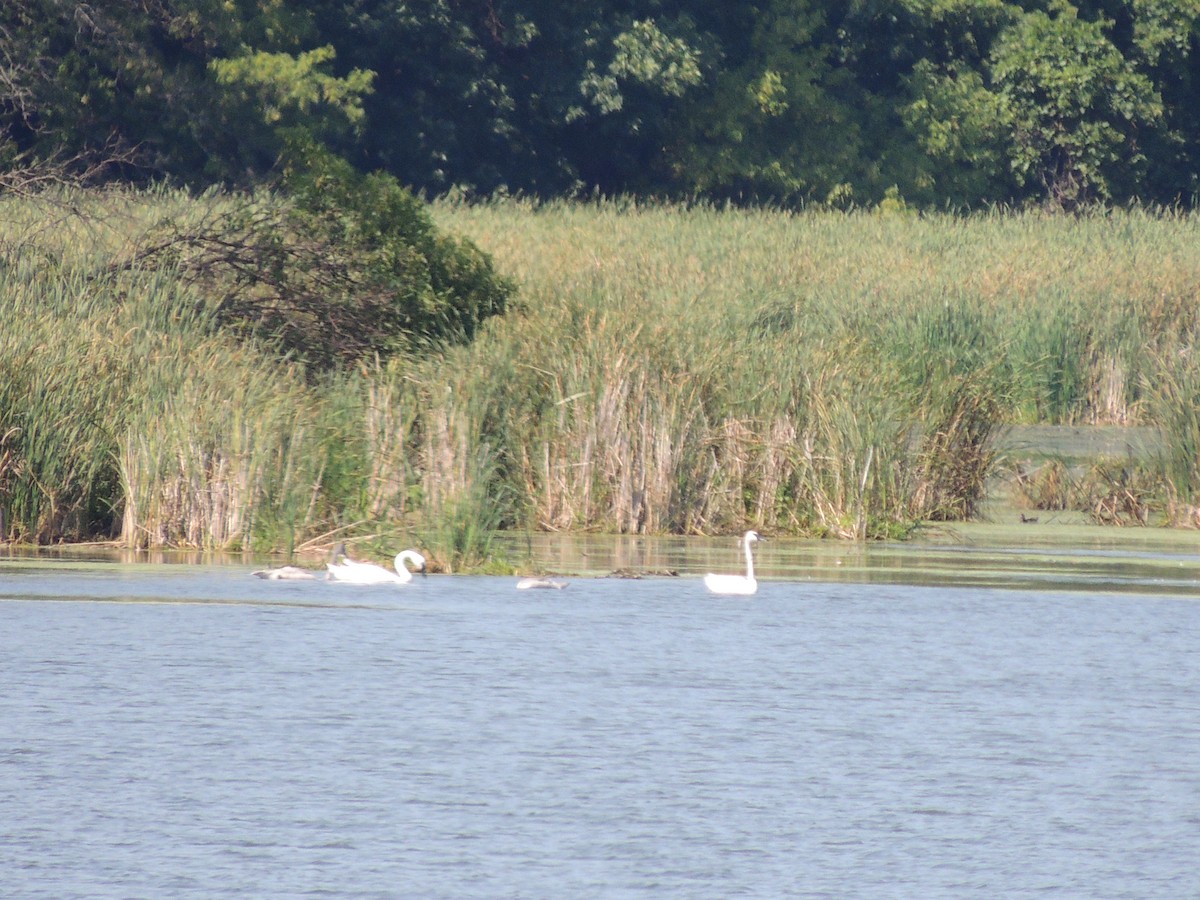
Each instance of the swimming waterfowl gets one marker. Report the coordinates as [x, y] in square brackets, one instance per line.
[526, 584]
[737, 584]
[353, 572]
[295, 573]
[286, 573]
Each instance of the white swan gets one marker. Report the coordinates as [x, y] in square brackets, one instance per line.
[295, 573]
[354, 572]
[286, 573]
[526, 584]
[737, 584]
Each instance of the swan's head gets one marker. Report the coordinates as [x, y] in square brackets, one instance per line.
[753, 537]
[411, 556]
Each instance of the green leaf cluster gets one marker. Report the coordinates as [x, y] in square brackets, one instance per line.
[410, 284]
[947, 102]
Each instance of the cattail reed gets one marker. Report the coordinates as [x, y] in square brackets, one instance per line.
[664, 369]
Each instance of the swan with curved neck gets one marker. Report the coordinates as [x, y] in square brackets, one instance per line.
[353, 572]
[737, 584]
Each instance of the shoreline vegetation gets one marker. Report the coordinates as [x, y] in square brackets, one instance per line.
[660, 369]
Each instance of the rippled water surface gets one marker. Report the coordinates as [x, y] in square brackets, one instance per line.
[191, 731]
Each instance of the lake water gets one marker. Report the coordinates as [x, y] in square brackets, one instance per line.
[191, 731]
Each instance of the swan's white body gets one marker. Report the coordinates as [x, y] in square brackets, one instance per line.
[743, 585]
[352, 572]
[286, 573]
[526, 584]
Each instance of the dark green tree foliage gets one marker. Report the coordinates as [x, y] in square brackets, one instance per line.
[410, 283]
[91, 76]
[441, 114]
[1162, 37]
[1076, 105]
[538, 97]
[772, 121]
[1065, 107]
[842, 101]
[199, 90]
[348, 267]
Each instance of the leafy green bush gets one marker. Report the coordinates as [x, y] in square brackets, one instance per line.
[404, 282]
[335, 268]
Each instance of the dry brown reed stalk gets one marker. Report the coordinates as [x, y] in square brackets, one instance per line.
[604, 445]
[427, 416]
[665, 465]
[1119, 492]
[1108, 398]
[191, 499]
[589, 473]
[388, 427]
[961, 415]
[1173, 389]
[776, 461]
[447, 446]
[856, 456]
[1048, 487]
[223, 453]
[200, 502]
[652, 452]
[730, 474]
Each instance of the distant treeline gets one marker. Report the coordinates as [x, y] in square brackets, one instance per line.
[933, 103]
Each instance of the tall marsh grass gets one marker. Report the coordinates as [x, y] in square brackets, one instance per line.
[835, 374]
[664, 369]
[1175, 397]
[220, 451]
[125, 413]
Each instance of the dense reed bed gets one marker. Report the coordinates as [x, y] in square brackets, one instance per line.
[664, 369]
[1078, 305]
[126, 413]
[848, 374]
[121, 410]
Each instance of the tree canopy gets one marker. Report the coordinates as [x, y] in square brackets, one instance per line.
[959, 102]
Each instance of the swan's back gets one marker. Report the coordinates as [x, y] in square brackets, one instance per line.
[286, 573]
[526, 584]
[731, 584]
[352, 572]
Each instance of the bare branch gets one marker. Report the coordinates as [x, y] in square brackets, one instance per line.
[87, 167]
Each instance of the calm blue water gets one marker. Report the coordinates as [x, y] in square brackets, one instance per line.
[195, 732]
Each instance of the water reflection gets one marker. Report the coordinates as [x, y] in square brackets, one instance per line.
[1044, 558]
[1157, 562]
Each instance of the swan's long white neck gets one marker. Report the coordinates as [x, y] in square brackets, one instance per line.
[746, 542]
[407, 556]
